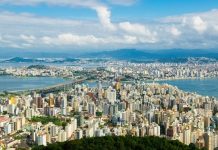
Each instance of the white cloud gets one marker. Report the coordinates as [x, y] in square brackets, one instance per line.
[68, 38]
[88, 40]
[102, 10]
[198, 24]
[196, 30]
[47, 40]
[141, 31]
[104, 16]
[134, 28]
[29, 39]
[130, 39]
[174, 31]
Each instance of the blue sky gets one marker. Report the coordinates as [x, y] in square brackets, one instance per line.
[108, 24]
[137, 10]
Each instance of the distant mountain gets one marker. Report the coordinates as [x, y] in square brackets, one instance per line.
[172, 55]
[38, 67]
[65, 60]
[119, 54]
[39, 60]
[20, 59]
[186, 53]
[153, 55]
[35, 53]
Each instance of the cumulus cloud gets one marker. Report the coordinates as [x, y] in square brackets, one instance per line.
[175, 31]
[26, 29]
[47, 40]
[102, 10]
[69, 38]
[198, 24]
[130, 39]
[134, 28]
[196, 30]
[141, 31]
[104, 16]
[29, 39]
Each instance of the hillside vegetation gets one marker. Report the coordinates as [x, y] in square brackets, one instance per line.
[119, 143]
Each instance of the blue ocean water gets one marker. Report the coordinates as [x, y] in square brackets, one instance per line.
[205, 87]
[11, 83]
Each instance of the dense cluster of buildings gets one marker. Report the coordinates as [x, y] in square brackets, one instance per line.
[158, 71]
[43, 72]
[128, 108]
[162, 71]
[137, 109]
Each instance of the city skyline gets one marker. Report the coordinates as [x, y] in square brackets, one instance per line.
[111, 74]
[97, 25]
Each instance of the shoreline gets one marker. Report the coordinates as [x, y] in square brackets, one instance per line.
[190, 78]
[28, 90]
[92, 81]
[175, 79]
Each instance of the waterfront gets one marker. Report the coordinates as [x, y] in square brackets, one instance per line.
[11, 83]
[205, 87]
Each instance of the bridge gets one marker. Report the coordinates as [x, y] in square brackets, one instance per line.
[59, 87]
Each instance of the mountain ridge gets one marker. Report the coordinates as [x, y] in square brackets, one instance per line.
[147, 54]
[121, 54]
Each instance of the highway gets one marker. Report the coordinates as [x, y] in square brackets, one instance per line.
[59, 87]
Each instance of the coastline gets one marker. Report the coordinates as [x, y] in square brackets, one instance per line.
[93, 81]
[13, 90]
[188, 78]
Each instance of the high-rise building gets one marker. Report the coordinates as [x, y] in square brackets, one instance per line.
[187, 136]
[111, 95]
[39, 102]
[7, 128]
[209, 140]
[41, 139]
[106, 108]
[62, 136]
[215, 140]
[117, 85]
[51, 100]
[64, 106]
[68, 130]
[100, 90]
[11, 109]
[29, 113]
[53, 130]
[80, 121]
[76, 105]
[79, 134]
[13, 100]
[91, 108]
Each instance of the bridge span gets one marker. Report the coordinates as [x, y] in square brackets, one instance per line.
[60, 87]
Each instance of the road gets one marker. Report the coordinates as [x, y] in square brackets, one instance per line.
[59, 87]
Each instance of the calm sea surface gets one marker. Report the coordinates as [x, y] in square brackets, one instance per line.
[10, 83]
[205, 87]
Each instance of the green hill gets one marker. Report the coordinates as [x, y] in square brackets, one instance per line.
[119, 143]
